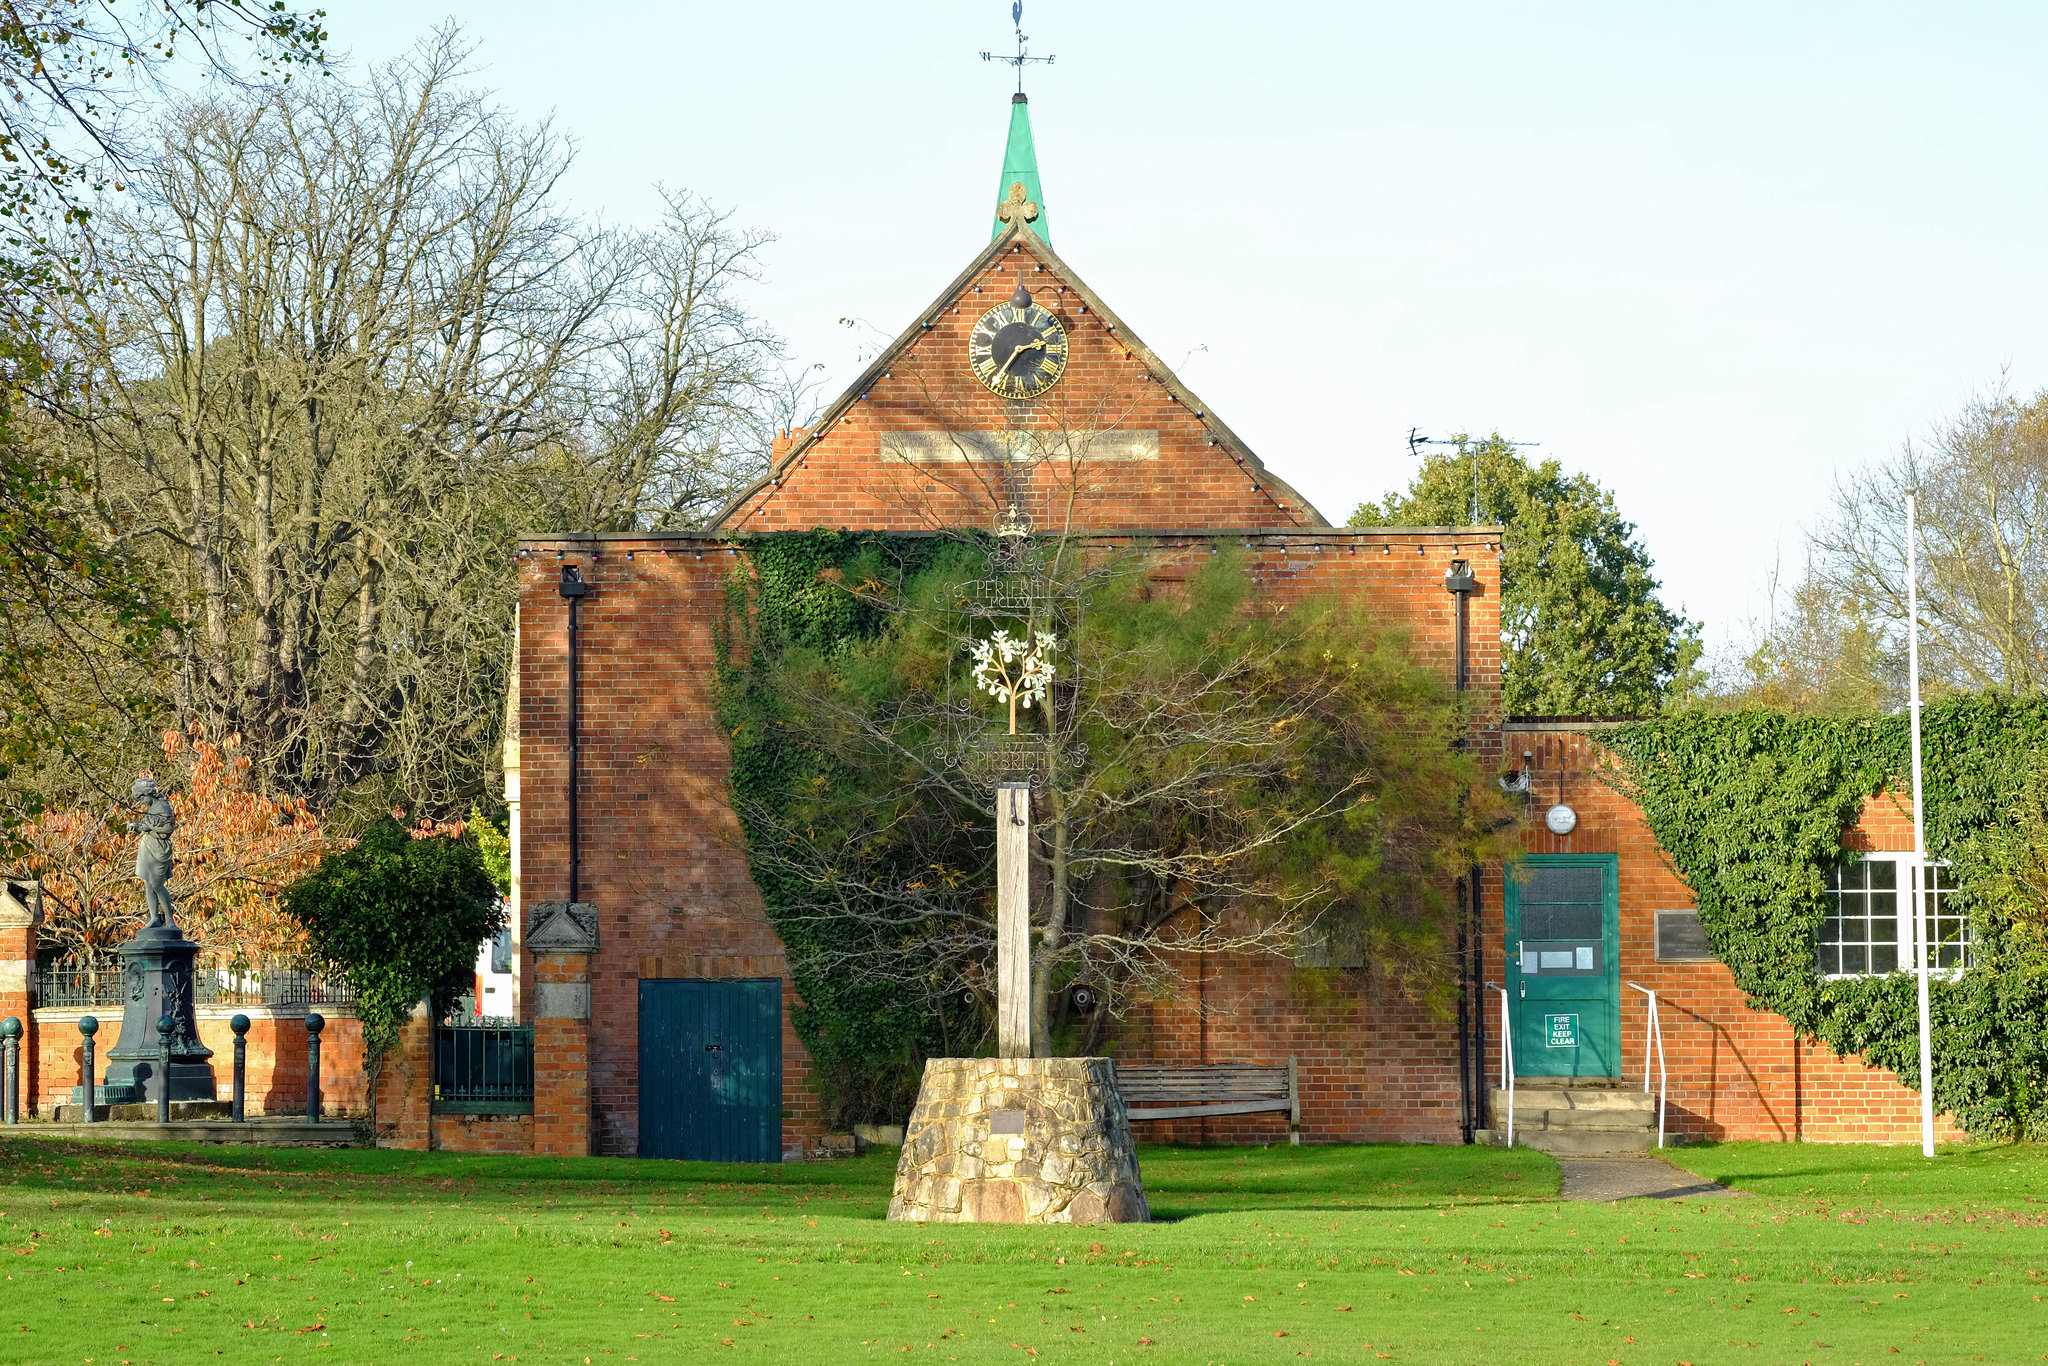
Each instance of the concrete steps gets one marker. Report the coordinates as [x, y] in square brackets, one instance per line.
[1571, 1118]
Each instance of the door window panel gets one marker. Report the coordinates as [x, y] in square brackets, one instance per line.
[1563, 922]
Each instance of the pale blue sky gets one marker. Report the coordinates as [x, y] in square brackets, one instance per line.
[1712, 254]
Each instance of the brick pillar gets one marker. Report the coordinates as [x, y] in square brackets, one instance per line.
[405, 1086]
[561, 936]
[21, 910]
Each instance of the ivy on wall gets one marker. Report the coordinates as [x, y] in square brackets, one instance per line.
[867, 1041]
[1751, 806]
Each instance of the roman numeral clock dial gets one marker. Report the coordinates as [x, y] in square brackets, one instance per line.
[1017, 349]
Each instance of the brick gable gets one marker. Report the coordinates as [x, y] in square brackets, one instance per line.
[1118, 444]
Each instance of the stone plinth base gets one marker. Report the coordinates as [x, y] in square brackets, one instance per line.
[1019, 1141]
[74, 1113]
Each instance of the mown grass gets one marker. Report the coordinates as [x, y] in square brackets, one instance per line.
[155, 1253]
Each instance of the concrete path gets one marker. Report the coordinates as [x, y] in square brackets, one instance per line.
[1632, 1178]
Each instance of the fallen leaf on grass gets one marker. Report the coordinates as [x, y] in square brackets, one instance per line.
[665, 1299]
[1144, 1342]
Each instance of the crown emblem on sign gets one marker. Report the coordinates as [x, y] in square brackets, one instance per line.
[1015, 208]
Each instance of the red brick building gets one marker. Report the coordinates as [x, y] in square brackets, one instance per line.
[677, 990]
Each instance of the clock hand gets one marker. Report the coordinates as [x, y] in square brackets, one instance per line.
[1038, 345]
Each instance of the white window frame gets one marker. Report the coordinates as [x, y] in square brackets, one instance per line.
[1909, 883]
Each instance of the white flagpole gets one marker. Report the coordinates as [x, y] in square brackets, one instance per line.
[1917, 882]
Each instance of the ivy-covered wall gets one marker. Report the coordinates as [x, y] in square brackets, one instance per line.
[867, 1041]
[1751, 808]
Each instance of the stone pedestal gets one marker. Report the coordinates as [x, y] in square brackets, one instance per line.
[1019, 1141]
[157, 980]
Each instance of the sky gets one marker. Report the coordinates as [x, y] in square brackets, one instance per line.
[1713, 255]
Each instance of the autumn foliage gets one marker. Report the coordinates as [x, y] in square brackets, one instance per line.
[237, 848]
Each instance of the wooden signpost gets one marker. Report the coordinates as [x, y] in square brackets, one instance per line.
[1013, 920]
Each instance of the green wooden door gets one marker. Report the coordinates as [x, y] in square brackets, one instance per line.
[1564, 971]
[711, 1069]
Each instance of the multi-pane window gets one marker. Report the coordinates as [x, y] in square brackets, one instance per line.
[1948, 925]
[1869, 926]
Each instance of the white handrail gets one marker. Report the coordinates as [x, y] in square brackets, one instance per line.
[1507, 1061]
[1653, 1033]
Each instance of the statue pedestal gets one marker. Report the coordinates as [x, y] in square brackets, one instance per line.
[156, 981]
[1019, 1141]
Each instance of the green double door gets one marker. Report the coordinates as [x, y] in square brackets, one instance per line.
[711, 1069]
[1564, 970]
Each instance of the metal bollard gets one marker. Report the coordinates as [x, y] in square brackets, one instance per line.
[314, 1024]
[164, 1025]
[10, 1056]
[240, 1024]
[88, 1026]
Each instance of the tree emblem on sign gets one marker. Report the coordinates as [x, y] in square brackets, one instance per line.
[1014, 670]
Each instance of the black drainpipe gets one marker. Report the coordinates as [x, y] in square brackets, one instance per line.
[1461, 584]
[574, 590]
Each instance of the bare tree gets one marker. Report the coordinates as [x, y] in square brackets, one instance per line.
[356, 348]
[1813, 650]
[1982, 483]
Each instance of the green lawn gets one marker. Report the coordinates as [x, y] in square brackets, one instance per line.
[156, 1253]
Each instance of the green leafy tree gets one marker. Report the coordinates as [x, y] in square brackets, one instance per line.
[1583, 630]
[1211, 776]
[494, 846]
[400, 915]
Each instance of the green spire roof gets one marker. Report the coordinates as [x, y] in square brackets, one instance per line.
[1020, 167]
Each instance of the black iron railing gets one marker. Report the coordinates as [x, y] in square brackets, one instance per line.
[483, 1066]
[98, 982]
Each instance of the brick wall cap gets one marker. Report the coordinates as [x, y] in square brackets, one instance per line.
[1341, 534]
[1567, 723]
[21, 902]
[562, 927]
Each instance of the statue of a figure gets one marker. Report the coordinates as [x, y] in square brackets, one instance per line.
[153, 855]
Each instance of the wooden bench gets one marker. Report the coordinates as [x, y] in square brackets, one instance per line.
[1204, 1090]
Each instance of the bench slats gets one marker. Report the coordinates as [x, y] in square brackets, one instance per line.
[1246, 1107]
[1200, 1090]
[1199, 1074]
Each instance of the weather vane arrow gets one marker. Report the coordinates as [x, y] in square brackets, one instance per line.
[1023, 52]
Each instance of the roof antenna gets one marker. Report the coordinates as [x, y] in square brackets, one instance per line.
[1023, 53]
[1464, 443]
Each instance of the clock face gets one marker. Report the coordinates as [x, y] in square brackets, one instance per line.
[1018, 350]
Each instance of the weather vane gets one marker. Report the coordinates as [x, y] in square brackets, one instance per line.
[1023, 53]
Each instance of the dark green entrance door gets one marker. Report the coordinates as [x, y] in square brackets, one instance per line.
[711, 1069]
[1564, 974]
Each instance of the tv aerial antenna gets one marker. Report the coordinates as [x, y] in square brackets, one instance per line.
[1023, 50]
[1462, 441]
